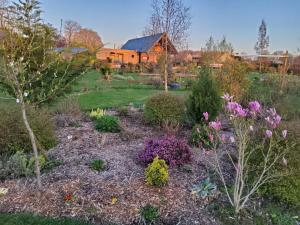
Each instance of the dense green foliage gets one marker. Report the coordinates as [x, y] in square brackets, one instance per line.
[150, 213]
[164, 108]
[233, 78]
[98, 165]
[157, 173]
[19, 165]
[107, 123]
[27, 219]
[13, 135]
[205, 97]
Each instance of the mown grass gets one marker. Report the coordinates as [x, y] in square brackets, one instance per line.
[95, 92]
[29, 219]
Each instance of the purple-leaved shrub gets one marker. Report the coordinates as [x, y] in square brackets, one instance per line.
[175, 152]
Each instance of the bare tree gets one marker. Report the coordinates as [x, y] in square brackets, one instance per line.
[173, 18]
[87, 38]
[71, 27]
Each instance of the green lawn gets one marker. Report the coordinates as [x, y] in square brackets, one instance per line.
[94, 92]
[28, 219]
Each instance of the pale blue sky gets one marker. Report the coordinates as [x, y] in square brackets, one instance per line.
[119, 20]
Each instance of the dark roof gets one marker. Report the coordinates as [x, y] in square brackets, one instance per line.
[143, 44]
[72, 50]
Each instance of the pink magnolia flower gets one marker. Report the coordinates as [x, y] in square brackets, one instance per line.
[269, 133]
[236, 109]
[273, 119]
[284, 133]
[205, 114]
[232, 140]
[254, 106]
[216, 125]
[227, 97]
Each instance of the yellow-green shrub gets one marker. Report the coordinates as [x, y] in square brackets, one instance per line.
[157, 172]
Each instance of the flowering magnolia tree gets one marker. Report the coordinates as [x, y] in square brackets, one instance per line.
[260, 146]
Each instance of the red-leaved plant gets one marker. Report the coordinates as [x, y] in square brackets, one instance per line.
[174, 151]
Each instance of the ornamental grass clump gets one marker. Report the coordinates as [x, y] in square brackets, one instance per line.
[157, 173]
[175, 152]
[260, 145]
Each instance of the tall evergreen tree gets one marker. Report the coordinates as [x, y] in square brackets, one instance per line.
[262, 43]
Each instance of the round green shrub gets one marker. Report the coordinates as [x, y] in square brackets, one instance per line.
[107, 123]
[164, 107]
[205, 97]
[157, 173]
[14, 136]
[150, 213]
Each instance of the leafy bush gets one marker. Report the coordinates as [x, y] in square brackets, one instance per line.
[94, 115]
[205, 97]
[150, 213]
[164, 107]
[157, 172]
[175, 152]
[233, 78]
[200, 136]
[98, 165]
[13, 134]
[19, 165]
[107, 123]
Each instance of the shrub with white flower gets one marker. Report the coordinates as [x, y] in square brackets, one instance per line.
[259, 143]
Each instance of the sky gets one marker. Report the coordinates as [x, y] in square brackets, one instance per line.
[116, 21]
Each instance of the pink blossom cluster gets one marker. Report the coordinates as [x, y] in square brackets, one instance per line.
[216, 125]
[273, 119]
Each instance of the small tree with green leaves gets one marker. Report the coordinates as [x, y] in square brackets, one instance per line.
[30, 70]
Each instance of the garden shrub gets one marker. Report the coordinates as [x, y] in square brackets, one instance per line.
[19, 165]
[175, 152]
[98, 165]
[200, 136]
[205, 97]
[107, 123]
[13, 134]
[233, 79]
[157, 173]
[149, 213]
[164, 107]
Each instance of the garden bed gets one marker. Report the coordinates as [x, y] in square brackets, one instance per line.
[116, 194]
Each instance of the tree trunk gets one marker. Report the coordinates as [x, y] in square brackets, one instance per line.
[166, 66]
[33, 143]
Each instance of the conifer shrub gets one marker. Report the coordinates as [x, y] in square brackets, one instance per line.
[175, 152]
[205, 97]
[164, 107]
[107, 123]
[157, 173]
